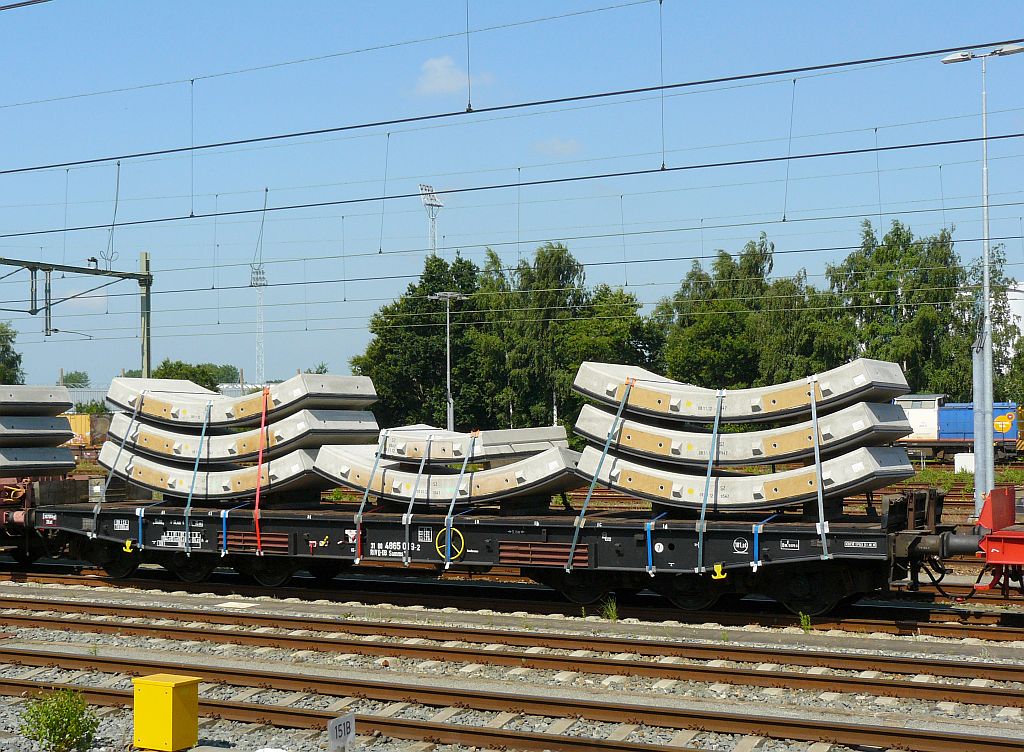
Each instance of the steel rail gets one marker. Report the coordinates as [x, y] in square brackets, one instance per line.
[801, 729]
[754, 677]
[958, 668]
[396, 728]
[998, 627]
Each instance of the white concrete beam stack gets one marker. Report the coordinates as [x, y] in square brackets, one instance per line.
[652, 459]
[155, 442]
[174, 402]
[542, 474]
[31, 430]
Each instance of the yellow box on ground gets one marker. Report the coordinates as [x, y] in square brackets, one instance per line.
[166, 712]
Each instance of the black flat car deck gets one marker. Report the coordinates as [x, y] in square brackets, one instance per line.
[608, 541]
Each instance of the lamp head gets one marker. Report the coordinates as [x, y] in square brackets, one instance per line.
[1008, 49]
[958, 57]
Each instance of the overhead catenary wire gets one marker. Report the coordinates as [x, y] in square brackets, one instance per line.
[407, 276]
[542, 182]
[634, 304]
[566, 162]
[529, 104]
[667, 299]
[553, 320]
[617, 233]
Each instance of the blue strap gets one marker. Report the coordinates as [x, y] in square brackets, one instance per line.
[195, 473]
[358, 519]
[615, 428]
[140, 512]
[117, 457]
[455, 496]
[407, 518]
[757, 528]
[712, 456]
[224, 527]
[648, 527]
[822, 524]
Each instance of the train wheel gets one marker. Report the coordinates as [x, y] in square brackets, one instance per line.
[268, 571]
[195, 568]
[583, 588]
[810, 594]
[111, 558]
[688, 592]
[120, 565]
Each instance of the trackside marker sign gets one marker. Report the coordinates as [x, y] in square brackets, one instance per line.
[341, 733]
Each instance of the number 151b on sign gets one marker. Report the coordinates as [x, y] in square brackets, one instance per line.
[341, 732]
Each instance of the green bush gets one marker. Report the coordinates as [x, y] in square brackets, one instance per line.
[61, 721]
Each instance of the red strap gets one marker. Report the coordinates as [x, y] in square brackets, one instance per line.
[259, 470]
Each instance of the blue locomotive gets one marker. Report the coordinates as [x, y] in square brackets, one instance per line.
[941, 429]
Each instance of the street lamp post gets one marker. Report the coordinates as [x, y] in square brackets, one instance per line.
[984, 460]
[448, 297]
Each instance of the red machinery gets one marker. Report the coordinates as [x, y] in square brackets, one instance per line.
[1003, 547]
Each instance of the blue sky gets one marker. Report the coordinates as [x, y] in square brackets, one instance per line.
[64, 48]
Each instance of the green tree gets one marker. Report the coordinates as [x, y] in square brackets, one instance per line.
[908, 302]
[406, 357]
[203, 374]
[92, 407]
[10, 360]
[77, 379]
[319, 368]
[711, 321]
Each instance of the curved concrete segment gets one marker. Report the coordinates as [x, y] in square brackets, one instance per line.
[306, 429]
[409, 443]
[19, 399]
[19, 461]
[862, 424]
[181, 403]
[544, 474]
[859, 380]
[291, 472]
[865, 469]
[34, 430]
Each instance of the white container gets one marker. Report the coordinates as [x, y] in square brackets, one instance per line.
[963, 462]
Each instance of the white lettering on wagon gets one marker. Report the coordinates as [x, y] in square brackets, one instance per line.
[860, 544]
[176, 539]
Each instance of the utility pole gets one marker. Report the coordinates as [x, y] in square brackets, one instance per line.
[448, 297]
[145, 309]
[984, 451]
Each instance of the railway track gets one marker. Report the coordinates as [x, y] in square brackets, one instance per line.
[891, 619]
[507, 704]
[630, 657]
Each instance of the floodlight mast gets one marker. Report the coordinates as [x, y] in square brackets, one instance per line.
[433, 204]
[984, 438]
[448, 297]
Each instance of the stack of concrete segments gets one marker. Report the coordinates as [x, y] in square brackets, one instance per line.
[174, 402]
[662, 445]
[32, 429]
[499, 465]
[167, 423]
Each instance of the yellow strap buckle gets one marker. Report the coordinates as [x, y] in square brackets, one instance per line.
[719, 574]
[127, 546]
